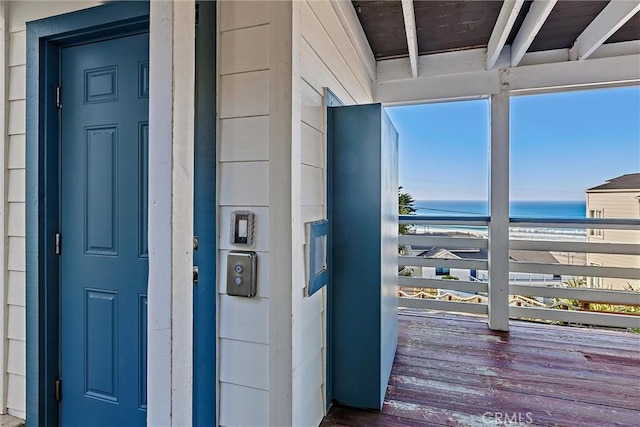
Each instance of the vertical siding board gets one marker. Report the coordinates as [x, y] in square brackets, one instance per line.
[16, 323]
[17, 117]
[328, 52]
[317, 75]
[312, 213]
[16, 256]
[17, 48]
[16, 156]
[311, 108]
[246, 184]
[242, 14]
[4, 276]
[313, 184]
[16, 185]
[18, 79]
[235, 409]
[16, 288]
[244, 319]
[328, 19]
[244, 139]
[15, 221]
[245, 50]
[245, 94]
[17, 387]
[313, 148]
[312, 402]
[16, 358]
[244, 363]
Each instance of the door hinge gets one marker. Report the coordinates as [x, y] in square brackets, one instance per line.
[58, 389]
[58, 243]
[58, 103]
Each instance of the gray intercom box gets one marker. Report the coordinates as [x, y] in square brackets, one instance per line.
[242, 273]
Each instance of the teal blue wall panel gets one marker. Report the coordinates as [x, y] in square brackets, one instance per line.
[205, 292]
[363, 207]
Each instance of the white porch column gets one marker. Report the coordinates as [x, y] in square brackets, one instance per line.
[499, 211]
[171, 145]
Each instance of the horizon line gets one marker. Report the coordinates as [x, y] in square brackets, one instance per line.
[511, 200]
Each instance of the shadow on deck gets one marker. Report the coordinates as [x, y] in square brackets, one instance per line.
[453, 370]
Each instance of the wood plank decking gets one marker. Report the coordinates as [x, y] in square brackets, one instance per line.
[453, 370]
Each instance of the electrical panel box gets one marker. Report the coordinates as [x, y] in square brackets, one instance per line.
[242, 273]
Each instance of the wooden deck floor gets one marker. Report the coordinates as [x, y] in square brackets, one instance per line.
[453, 370]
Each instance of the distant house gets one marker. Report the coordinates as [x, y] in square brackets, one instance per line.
[617, 198]
[481, 254]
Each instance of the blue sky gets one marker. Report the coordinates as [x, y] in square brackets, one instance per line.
[561, 144]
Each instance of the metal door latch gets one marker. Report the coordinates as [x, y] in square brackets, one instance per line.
[195, 274]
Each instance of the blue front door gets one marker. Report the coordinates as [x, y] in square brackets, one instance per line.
[104, 264]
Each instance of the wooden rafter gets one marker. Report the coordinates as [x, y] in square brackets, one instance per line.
[612, 17]
[504, 24]
[412, 39]
[540, 10]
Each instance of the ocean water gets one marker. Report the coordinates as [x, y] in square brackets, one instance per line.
[530, 209]
[526, 209]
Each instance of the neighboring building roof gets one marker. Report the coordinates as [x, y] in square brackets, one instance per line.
[538, 257]
[471, 253]
[630, 181]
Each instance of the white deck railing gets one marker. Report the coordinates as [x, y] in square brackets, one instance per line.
[470, 295]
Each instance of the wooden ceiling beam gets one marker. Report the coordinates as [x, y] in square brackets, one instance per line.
[504, 24]
[412, 39]
[538, 13]
[612, 17]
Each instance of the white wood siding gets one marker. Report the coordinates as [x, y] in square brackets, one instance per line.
[329, 58]
[13, 279]
[250, 158]
[243, 183]
[616, 204]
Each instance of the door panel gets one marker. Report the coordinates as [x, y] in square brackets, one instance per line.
[205, 292]
[104, 266]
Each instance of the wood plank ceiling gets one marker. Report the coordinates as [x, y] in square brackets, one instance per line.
[444, 26]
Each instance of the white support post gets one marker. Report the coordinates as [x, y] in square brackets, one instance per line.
[538, 13]
[504, 24]
[281, 115]
[412, 39]
[612, 17]
[499, 212]
[171, 151]
[4, 206]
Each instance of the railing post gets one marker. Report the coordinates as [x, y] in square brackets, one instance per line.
[499, 213]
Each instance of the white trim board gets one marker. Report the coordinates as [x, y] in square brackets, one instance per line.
[171, 127]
